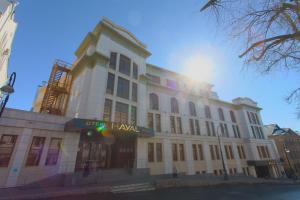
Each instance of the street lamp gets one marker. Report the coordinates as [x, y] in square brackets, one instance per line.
[221, 152]
[286, 151]
[7, 90]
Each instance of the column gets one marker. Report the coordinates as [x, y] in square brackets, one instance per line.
[189, 158]
[207, 157]
[237, 158]
[19, 158]
[168, 161]
[69, 153]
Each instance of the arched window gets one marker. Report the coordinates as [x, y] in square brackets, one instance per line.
[192, 109]
[232, 116]
[207, 112]
[221, 114]
[174, 105]
[154, 104]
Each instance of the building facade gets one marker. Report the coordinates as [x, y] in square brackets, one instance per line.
[288, 145]
[122, 112]
[7, 31]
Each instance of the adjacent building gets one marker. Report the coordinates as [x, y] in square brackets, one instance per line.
[119, 111]
[7, 31]
[288, 145]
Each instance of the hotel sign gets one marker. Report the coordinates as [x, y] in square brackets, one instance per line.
[79, 125]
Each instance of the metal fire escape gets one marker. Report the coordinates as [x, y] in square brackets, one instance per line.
[58, 88]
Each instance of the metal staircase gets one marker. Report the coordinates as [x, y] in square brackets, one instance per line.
[58, 88]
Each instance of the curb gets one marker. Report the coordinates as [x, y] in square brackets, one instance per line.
[77, 191]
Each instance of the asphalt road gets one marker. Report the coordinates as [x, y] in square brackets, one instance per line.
[239, 192]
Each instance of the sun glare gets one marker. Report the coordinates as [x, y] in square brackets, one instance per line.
[199, 67]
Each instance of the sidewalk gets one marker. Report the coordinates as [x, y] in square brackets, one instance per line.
[159, 183]
[42, 193]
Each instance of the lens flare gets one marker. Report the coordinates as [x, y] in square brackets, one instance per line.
[102, 130]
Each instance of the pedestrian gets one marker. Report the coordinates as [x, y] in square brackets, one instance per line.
[86, 169]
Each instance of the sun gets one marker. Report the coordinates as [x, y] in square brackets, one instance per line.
[199, 67]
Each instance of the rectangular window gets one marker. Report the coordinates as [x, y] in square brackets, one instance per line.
[124, 65]
[217, 152]
[121, 113]
[226, 130]
[133, 115]
[240, 152]
[253, 118]
[197, 127]
[212, 154]
[7, 145]
[259, 152]
[134, 92]
[208, 128]
[53, 151]
[267, 152]
[249, 117]
[172, 124]
[123, 88]
[150, 120]
[192, 127]
[238, 131]
[201, 157]
[213, 129]
[150, 152]
[107, 110]
[135, 71]
[174, 152]
[179, 127]
[227, 152]
[181, 152]
[263, 151]
[110, 83]
[257, 119]
[253, 132]
[195, 154]
[243, 152]
[234, 131]
[35, 152]
[113, 60]
[231, 152]
[157, 122]
[159, 152]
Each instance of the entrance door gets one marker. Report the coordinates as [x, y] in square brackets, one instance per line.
[123, 153]
[92, 152]
[262, 171]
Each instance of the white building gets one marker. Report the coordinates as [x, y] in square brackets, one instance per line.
[124, 112]
[7, 31]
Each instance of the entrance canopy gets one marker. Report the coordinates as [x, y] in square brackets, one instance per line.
[79, 125]
[261, 162]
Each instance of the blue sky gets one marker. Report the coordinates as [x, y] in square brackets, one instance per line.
[173, 30]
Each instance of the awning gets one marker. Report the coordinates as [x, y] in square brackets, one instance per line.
[262, 162]
[79, 125]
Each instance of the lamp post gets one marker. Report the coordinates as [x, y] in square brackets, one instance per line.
[7, 90]
[286, 151]
[221, 152]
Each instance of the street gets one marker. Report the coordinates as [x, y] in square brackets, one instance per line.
[240, 192]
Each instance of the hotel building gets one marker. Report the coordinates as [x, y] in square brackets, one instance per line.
[118, 111]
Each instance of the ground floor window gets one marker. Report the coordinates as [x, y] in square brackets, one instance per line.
[174, 152]
[159, 152]
[150, 152]
[181, 152]
[7, 144]
[35, 152]
[53, 151]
